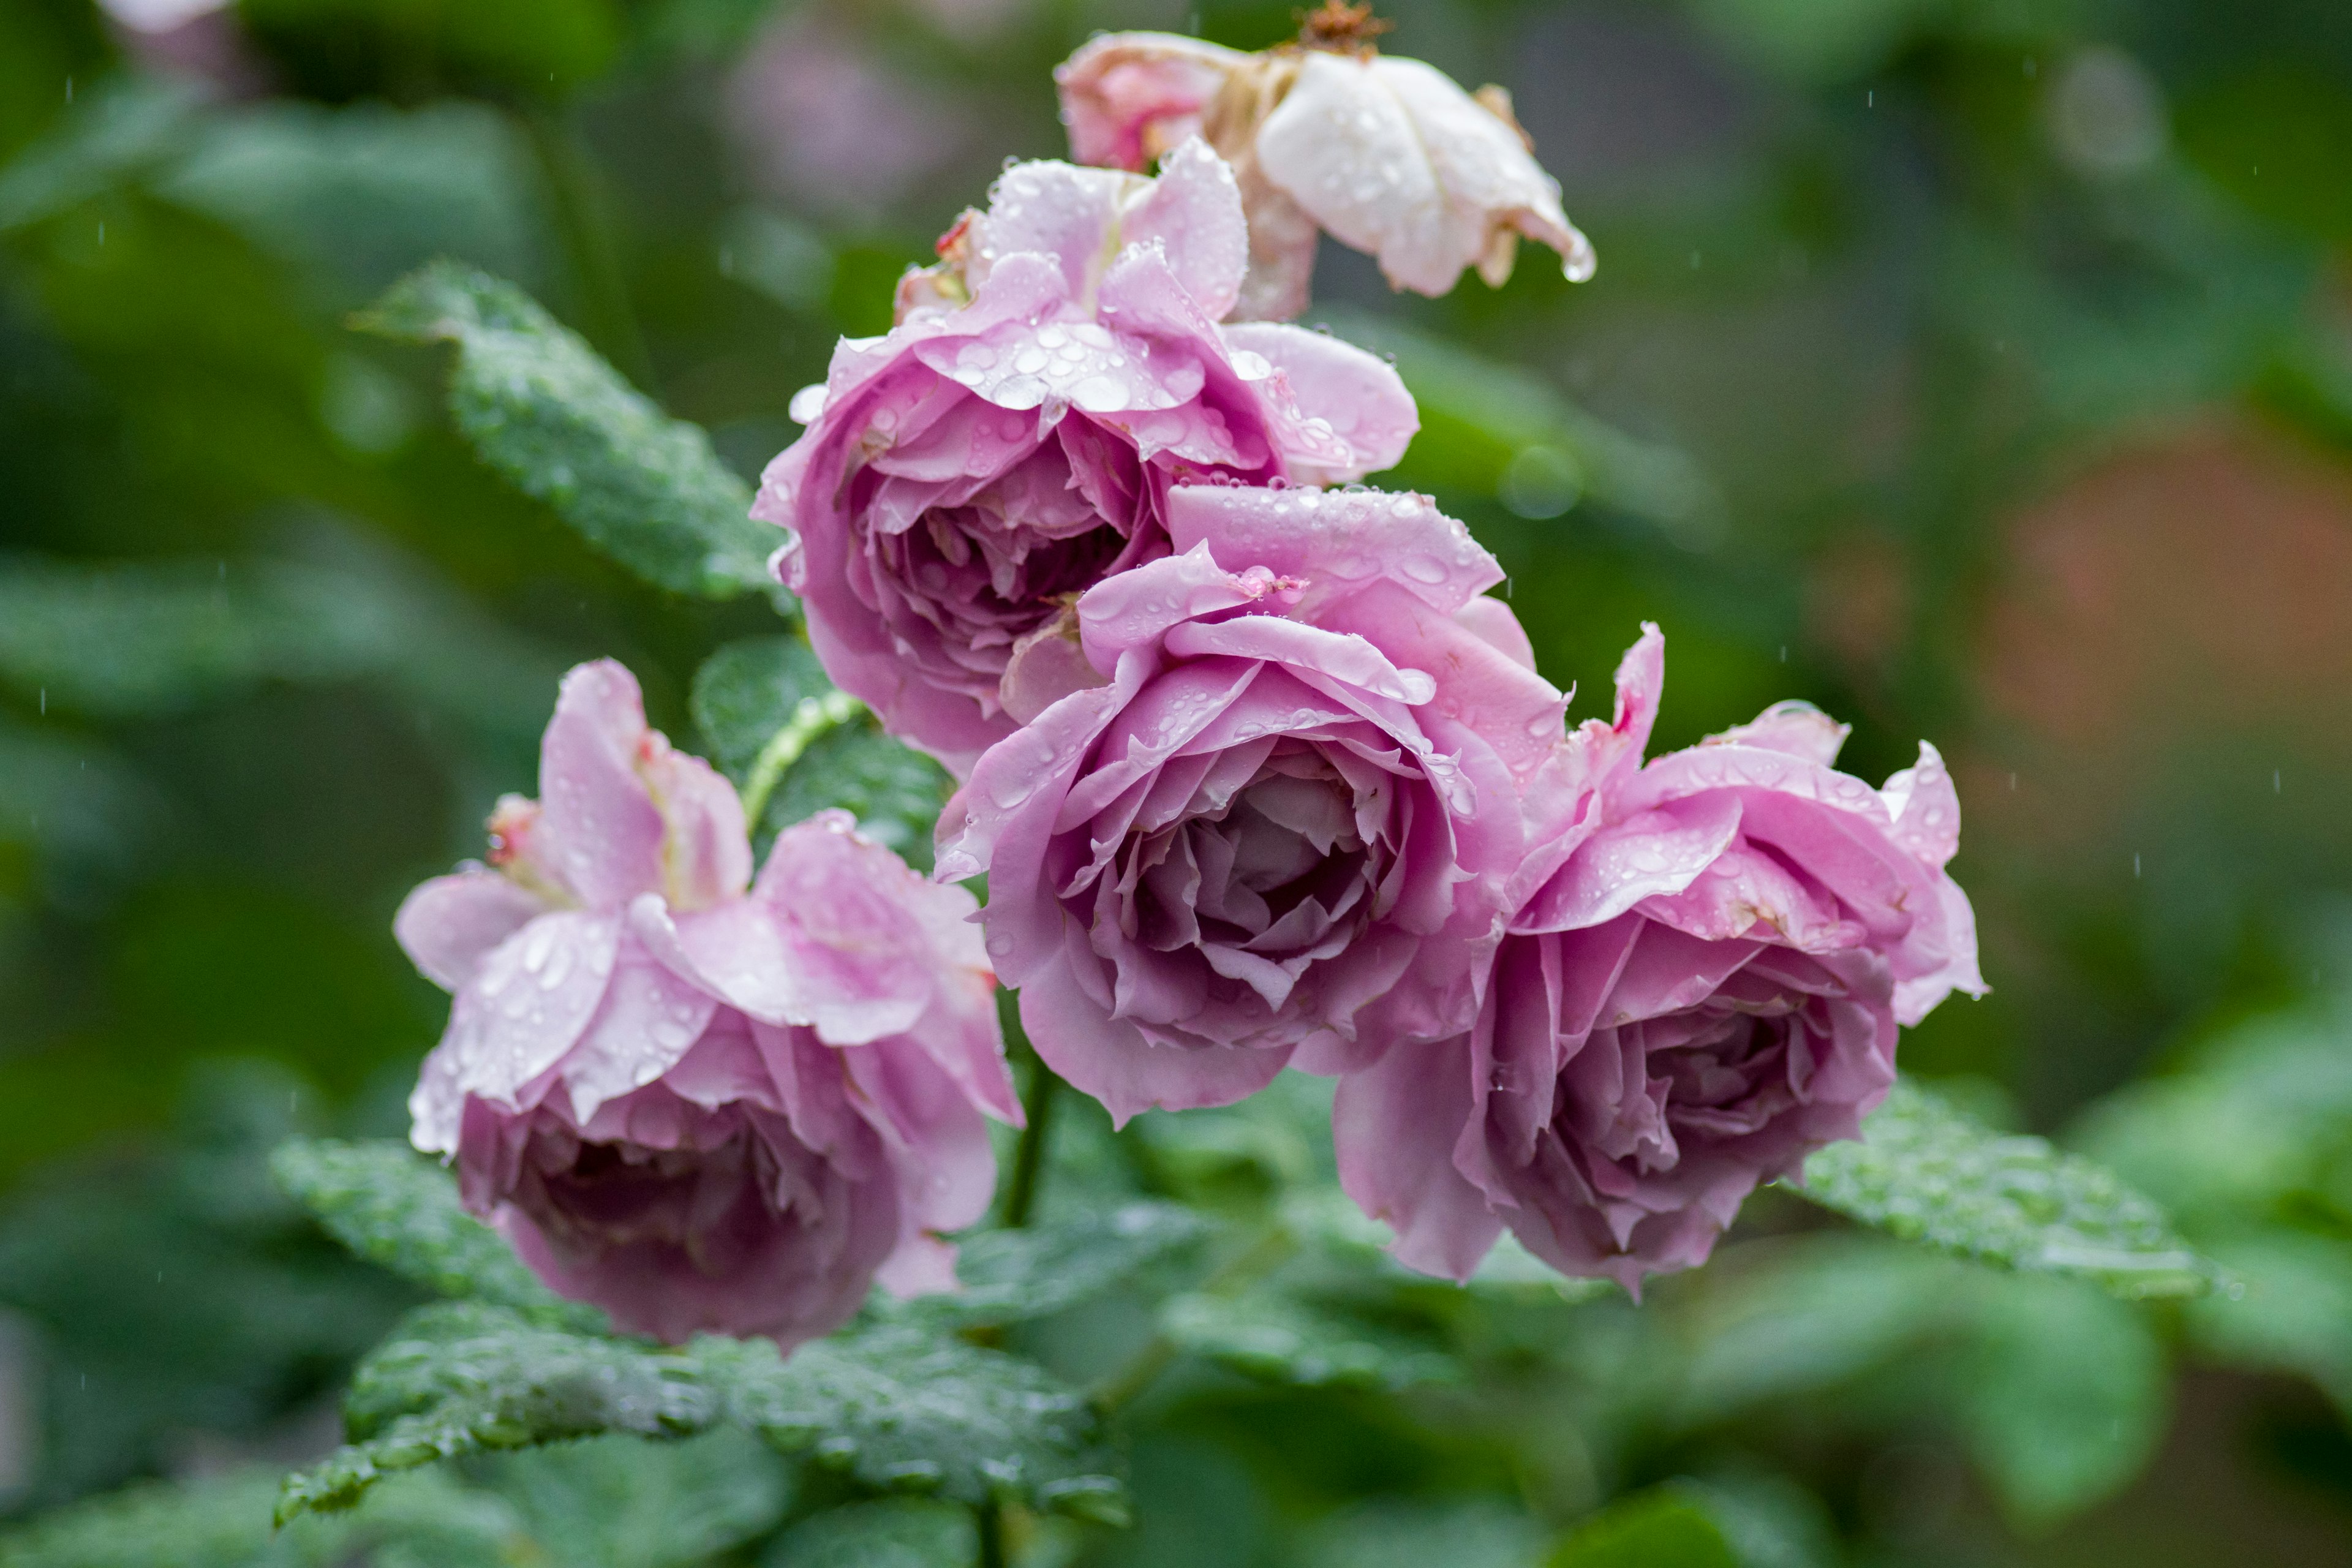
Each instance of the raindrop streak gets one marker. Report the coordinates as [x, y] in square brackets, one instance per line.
[2013, 784]
[1784, 653]
[2135, 864]
[1870, 99]
[2276, 787]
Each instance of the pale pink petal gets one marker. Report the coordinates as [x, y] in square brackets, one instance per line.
[1501, 700]
[1494, 623]
[448, 926]
[1045, 666]
[1066, 215]
[1136, 608]
[1112, 1061]
[1926, 807]
[1359, 394]
[923, 1265]
[534, 995]
[706, 856]
[1656, 853]
[1610, 754]
[1394, 1127]
[1916, 998]
[1336, 542]
[648, 1020]
[1128, 98]
[1193, 213]
[603, 832]
[1799, 729]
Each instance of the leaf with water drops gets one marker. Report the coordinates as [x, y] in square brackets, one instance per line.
[1014, 1276]
[223, 1521]
[1274, 1335]
[747, 692]
[1925, 1173]
[890, 1407]
[393, 1206]
[543, 409]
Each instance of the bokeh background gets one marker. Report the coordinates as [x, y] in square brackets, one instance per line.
[1977, 369]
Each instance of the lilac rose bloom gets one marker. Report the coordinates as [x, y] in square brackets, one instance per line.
[1274, 820]
[703, 1102]
[1011, 442]
[1708, 959]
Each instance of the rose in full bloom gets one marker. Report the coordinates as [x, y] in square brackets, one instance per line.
[699, 1100]
[1387, 155]
[1276, 818]
[1012, 441]
[1709, 959]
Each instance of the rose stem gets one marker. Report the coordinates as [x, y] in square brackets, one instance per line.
[810, 720]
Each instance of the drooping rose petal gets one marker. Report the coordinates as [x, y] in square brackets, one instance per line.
[699, 1106]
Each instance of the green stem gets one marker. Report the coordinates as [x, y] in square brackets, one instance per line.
[990, 1517]
[1237, 1275]
[810, 720]
[1029, 1155]
[611, 322]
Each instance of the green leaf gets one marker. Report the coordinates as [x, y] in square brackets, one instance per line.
[393, 1206]
[1666, 1527]
[223, 1522]
[1812, 1314]
[125, 641]
[2293, 1311]
[1013, 1275]
[620, 1502]
[1390, 1532]
[888, 1534]
[2061, 1397]
[748, 693]
[132, 124]
[1925, 1173]
[540, 407]
[892, 1407]
[1277, 1336]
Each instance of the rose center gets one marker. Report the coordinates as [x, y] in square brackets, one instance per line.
[612, 1194]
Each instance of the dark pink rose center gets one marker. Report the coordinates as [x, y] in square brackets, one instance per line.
[1264, 883]
[1646, 1091]
[712, 1204]
[962, 569]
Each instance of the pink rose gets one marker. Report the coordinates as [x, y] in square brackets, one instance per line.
[1387, 155]
[1708, 959]
[1277, 817]
[965, 478]
[699, 1101]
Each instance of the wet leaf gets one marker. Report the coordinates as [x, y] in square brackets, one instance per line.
[1927, 1173]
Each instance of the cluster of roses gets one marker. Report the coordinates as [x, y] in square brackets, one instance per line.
[1258, 773]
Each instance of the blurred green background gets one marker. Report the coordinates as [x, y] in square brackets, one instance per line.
[1978, 369]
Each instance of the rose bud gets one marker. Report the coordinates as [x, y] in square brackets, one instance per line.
[699, 1100]
[1011, 442]
[1275, 819]
[1387, 155]
[1709, 959]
